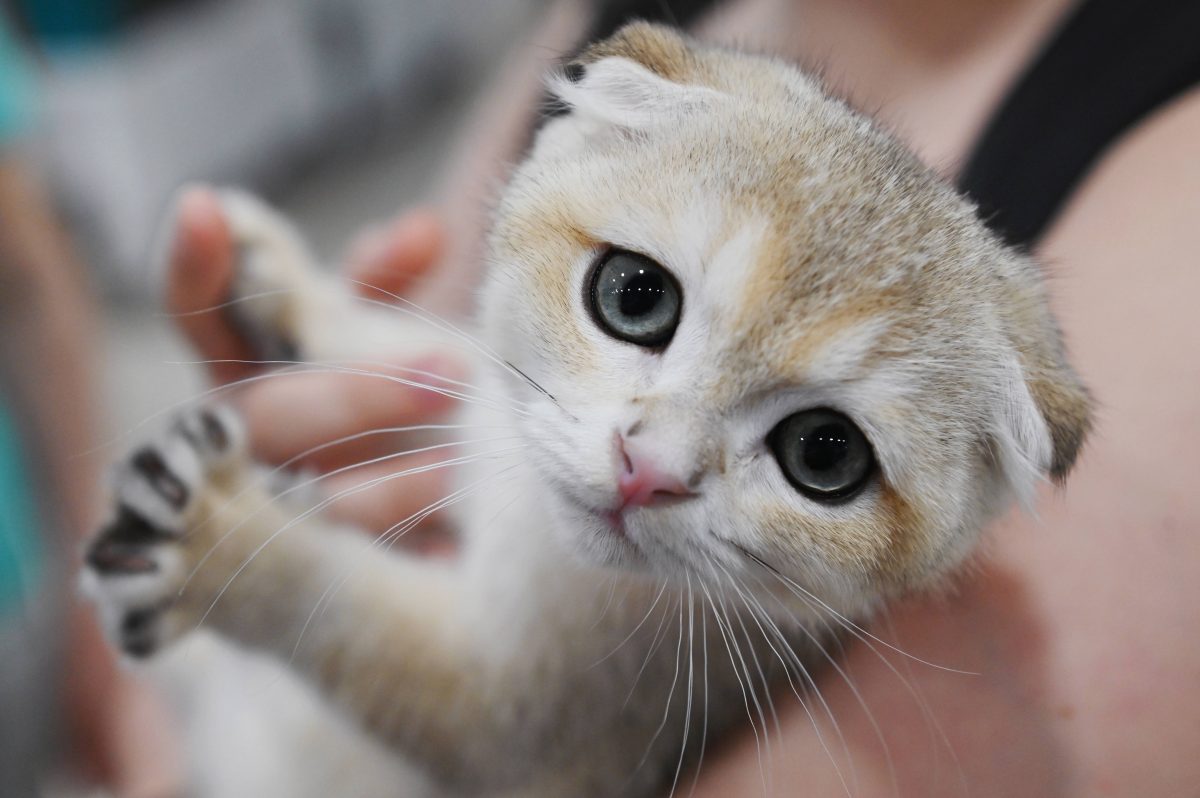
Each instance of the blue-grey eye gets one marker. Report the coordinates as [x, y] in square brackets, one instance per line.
[634, 299]
[822, 453]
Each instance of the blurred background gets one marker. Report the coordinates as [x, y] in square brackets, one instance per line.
[339, 111]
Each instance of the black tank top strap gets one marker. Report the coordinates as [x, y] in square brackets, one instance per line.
[1109, 65]
[612, 14]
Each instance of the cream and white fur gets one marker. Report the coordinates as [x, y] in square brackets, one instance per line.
[820, 265]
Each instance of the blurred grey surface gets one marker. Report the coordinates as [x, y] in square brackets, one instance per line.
[341, 112]
[248, 91]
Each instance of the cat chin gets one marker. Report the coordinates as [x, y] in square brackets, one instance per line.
[602, 538]
[644, 542]
[595, 537]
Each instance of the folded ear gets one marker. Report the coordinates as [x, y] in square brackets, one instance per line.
[1065, 405]
[623, 93]
[659, 49]
[1048, 386]
[636, 79]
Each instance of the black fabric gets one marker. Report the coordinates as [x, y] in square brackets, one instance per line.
[1109, 65]
[612, 14]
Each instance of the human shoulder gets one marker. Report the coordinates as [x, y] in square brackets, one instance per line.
[1125, 275]
[1145, 191]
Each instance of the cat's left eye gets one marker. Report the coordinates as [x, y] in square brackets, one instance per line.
[634, 299]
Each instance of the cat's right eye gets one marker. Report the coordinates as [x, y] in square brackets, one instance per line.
[634, 299]
[822, 453]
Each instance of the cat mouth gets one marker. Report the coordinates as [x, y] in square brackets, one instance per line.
[614, 521]
[609, 520]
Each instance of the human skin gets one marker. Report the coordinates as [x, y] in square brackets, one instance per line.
[48, 326]
[1078, 629]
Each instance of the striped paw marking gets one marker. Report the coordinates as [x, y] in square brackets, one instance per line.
[136, 564]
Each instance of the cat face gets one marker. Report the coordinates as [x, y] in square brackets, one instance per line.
[767, 330]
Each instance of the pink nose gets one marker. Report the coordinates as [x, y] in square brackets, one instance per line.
[642, 484]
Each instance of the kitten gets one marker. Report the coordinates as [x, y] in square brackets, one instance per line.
[747, 371]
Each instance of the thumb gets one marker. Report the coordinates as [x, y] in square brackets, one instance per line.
[200, 269]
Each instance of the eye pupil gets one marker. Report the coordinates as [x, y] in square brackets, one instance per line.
[640, 294]
[822, 453]
[825, 447]
[634, 299]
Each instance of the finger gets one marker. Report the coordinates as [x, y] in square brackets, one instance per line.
[199, 276]
[146, 735]
[289, 414]
[400, 493]
[392, 257]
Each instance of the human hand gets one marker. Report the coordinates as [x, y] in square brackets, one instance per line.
[288, 416]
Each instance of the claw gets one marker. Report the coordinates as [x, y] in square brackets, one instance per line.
[120, 548]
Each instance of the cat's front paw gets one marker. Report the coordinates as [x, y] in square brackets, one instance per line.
[137, 566]
[276, 296]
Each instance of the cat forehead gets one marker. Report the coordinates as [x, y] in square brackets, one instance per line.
[779, 306]
[659, 116]
[800, 265]
[808, 228]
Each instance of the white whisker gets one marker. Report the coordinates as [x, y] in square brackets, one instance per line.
[331, 499]
[307, 366]
[758, 708]
[846, 621]
[436, 321]
[758, 743]
[265, 477]
[655, 643]
[750, 602]
[357, 489]
[227, 304]
[191, 400]
[386, 539]
[687, 717]
[670, 694]
[704, 719]
[833, 662]
[629, 636]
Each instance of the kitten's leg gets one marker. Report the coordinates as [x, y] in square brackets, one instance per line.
[280, 300]
[193, 542]
[290, 309]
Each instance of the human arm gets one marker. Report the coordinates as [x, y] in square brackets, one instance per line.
[49, 359]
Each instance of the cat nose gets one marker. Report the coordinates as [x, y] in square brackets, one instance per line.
[642, 483]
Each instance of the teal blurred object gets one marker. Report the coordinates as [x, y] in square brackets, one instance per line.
[21, 555]
[16, 87]
[72, 22]
[21, 552]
